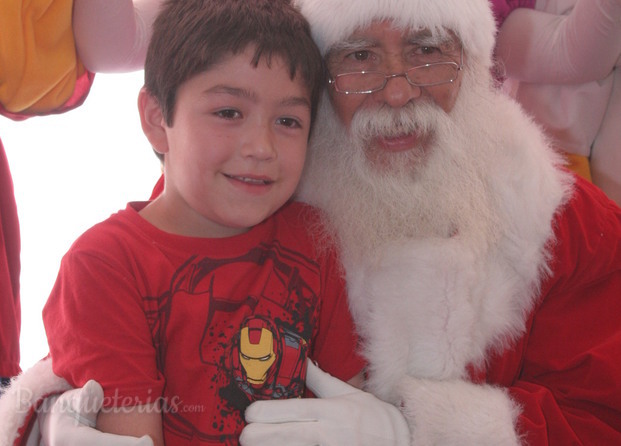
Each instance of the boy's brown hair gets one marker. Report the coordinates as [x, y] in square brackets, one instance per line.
[191, 36]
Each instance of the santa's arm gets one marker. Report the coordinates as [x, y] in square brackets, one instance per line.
[560, 383]
[113, 35]
[582, 46]
[568, 383]
[457, 412]
[462, 413]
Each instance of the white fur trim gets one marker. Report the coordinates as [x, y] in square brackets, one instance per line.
[418, 317]
[446, 302]
[456, 413]
[21, 399]
[427, 309]
[472, 20]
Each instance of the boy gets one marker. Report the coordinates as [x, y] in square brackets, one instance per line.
[212, 295]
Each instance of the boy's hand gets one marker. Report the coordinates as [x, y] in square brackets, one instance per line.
[341, 414]
[69, 420]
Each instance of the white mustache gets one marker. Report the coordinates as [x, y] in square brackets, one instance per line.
[421, 118]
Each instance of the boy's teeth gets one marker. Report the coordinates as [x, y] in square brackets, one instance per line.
[251, 180]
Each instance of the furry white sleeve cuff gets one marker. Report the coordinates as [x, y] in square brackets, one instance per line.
[458, 413]
[21, 400]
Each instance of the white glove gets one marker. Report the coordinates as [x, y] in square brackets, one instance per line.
[341, 415]
[70, 420]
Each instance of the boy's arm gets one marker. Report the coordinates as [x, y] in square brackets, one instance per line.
[74, 427]
[135, 421]
[71, 419]
[91, 292]
[357, 381]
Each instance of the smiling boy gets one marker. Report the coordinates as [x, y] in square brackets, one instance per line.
[242, 139]
[190, 307]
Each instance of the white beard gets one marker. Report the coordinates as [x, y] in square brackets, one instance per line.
[436, 191]
[443, 248]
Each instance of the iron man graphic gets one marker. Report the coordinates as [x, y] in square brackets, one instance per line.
[233, 341]
[268, 363]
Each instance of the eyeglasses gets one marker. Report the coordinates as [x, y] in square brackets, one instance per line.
[427, 75]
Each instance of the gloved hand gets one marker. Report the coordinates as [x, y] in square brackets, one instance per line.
[340, 415]
[70, 420]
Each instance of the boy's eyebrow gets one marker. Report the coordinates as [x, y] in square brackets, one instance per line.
[233, 91]
[296, 101]
[244, 93]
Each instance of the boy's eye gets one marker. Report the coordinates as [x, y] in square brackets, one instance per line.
[289, 122]
[228, 113]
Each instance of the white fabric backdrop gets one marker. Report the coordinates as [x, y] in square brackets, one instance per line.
[71, 171]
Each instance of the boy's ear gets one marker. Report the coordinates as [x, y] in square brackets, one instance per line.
[152, 121]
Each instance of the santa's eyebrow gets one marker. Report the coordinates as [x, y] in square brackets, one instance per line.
[441, 38]
[352, 45]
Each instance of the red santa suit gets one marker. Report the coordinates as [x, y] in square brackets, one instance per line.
[479, 344]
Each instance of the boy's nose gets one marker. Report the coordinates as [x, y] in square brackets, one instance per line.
[260, 143]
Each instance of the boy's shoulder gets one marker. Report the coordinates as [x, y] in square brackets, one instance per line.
[299, 208]
[299, 214]
[304, 225]
[108, 232]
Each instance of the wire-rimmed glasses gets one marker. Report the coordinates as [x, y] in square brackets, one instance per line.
[427, 75]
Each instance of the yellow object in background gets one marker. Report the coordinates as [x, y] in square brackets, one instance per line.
[38, 61]
[580, 165]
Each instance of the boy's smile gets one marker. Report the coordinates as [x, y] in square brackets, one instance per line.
[235, 151]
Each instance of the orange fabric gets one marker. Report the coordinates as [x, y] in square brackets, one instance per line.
[580, 165]
[38, 61]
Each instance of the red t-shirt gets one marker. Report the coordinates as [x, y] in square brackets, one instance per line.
[207, 325]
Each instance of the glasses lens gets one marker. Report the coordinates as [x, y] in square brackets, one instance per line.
[359, 82]
[433, 74]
